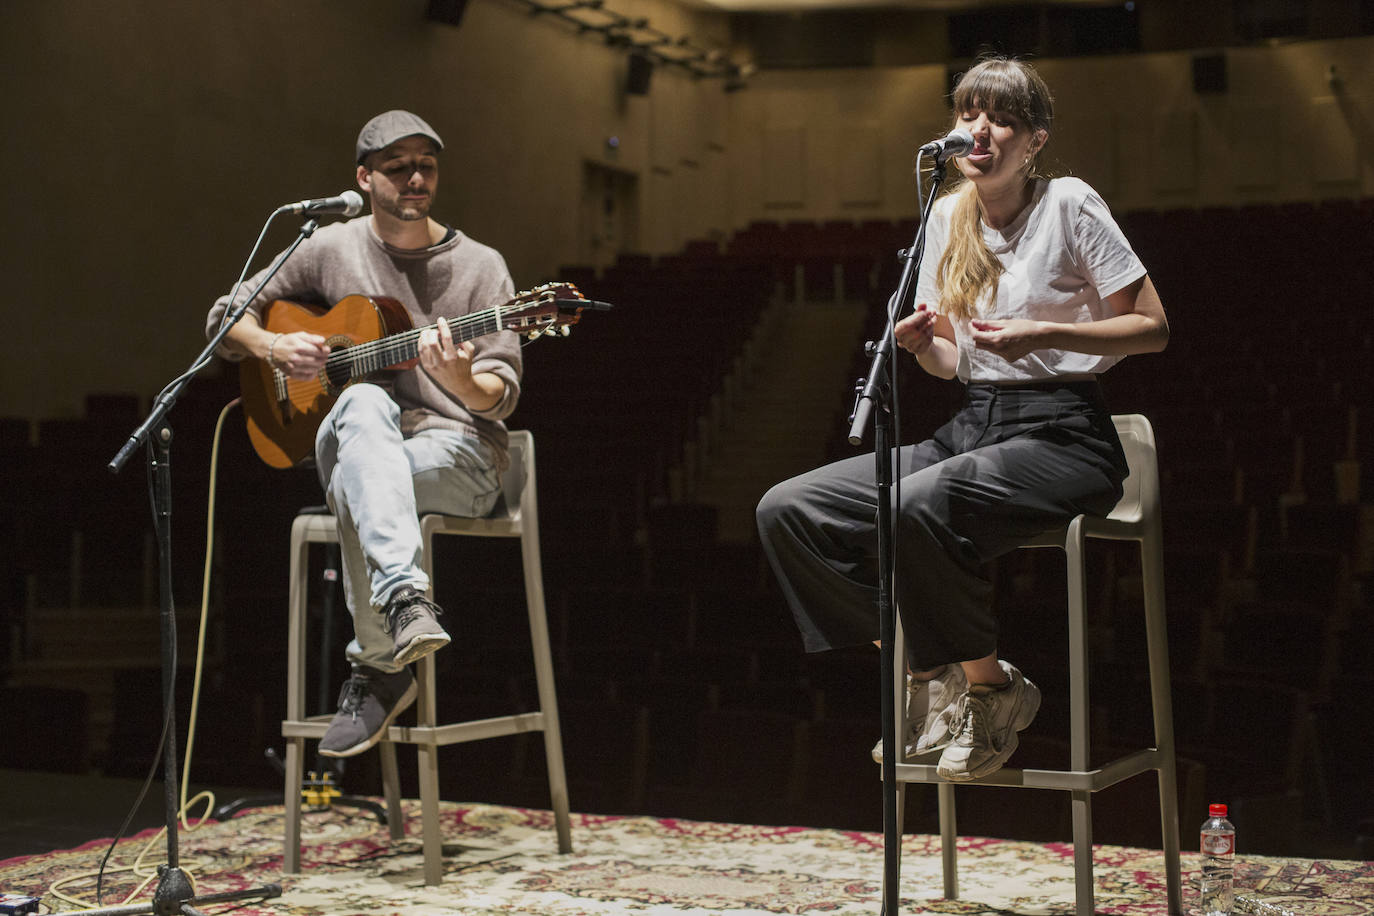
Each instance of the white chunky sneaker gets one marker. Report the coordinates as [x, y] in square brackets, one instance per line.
[930, 712]
[986, 722]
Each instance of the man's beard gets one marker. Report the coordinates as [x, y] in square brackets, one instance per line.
[407, 211]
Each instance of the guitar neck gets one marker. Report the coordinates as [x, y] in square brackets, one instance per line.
[373, 356]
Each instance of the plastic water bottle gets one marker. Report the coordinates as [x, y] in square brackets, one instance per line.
[1217, 885]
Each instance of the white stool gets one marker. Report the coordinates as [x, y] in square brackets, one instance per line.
[516, 516]
[1135, 518]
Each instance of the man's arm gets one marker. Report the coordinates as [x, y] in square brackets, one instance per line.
[300, 354]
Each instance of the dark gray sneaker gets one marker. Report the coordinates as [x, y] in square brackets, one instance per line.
[411, 619]
[370, 699]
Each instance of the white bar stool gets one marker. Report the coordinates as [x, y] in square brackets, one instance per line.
[516, 516]
[1135, 518]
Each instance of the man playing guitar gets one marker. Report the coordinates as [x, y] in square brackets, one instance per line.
[425, 439]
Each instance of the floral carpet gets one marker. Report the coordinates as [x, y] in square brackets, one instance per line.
[505, 860]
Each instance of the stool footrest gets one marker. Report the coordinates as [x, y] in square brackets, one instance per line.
[1067, 780]
[434, 735]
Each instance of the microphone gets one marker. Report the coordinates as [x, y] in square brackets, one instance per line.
[349, 203]
[957, 143]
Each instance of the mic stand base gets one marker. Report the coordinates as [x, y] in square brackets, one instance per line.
[176, 895]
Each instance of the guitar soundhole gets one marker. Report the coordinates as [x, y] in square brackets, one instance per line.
[337, 371]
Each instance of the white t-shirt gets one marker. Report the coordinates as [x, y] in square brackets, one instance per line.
[1061, 257]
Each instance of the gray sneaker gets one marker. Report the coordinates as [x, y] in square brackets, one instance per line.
[986, 722]
[370, 699]
[930, 712]
[410, 618]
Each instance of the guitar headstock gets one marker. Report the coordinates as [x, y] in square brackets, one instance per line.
[550, 309]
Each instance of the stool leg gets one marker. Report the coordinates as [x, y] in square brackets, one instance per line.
[948, 836]
[1168, 795]
[295, 695]
[428, 761]
[1157, 642]
[391, 790]
[429, 812]
[1081, 802]
[1083, 852]
[291, 853]
[427, 753]
[543, 675]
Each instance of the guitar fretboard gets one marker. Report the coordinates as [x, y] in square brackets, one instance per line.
[375, 355]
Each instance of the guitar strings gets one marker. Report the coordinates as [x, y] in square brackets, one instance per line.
[374, 355]
[400, 343]
[368, 355]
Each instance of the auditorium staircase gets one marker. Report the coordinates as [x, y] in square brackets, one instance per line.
[777, 413]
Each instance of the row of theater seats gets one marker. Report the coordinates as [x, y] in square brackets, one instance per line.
[1281, 260]
[612, 407]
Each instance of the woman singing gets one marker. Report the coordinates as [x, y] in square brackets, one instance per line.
[1028, 291]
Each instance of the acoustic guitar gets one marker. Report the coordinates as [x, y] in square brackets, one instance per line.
[366, 336]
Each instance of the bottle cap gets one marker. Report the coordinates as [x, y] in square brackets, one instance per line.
[1216, 810]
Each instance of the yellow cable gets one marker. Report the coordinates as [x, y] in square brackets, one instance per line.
[204, 619]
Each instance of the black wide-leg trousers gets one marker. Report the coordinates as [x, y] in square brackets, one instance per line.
[1013, 463]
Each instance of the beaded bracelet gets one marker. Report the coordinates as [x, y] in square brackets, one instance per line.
[272, 360]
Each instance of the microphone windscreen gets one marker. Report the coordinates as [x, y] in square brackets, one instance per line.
[353, 202]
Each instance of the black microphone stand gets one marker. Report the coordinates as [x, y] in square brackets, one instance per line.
[175, 893]
[874, 402]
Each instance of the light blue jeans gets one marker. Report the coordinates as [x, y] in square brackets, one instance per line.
[377, 483]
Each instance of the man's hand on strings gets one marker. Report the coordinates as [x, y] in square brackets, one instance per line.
[300, 354]
[447, 362]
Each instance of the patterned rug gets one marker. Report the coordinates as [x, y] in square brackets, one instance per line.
[505, 860]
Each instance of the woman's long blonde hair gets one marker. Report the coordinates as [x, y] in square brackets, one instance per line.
[968, 273]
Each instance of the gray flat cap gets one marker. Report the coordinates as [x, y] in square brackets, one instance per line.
[390, 126]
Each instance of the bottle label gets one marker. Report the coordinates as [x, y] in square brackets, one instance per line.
[1218, 844]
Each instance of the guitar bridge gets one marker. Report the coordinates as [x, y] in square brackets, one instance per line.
[284, 406]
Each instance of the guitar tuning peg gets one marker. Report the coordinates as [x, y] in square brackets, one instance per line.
[565, 330]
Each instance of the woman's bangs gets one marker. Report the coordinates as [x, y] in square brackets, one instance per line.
[993, 89]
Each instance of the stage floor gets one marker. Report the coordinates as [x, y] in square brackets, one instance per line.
[505, 860]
